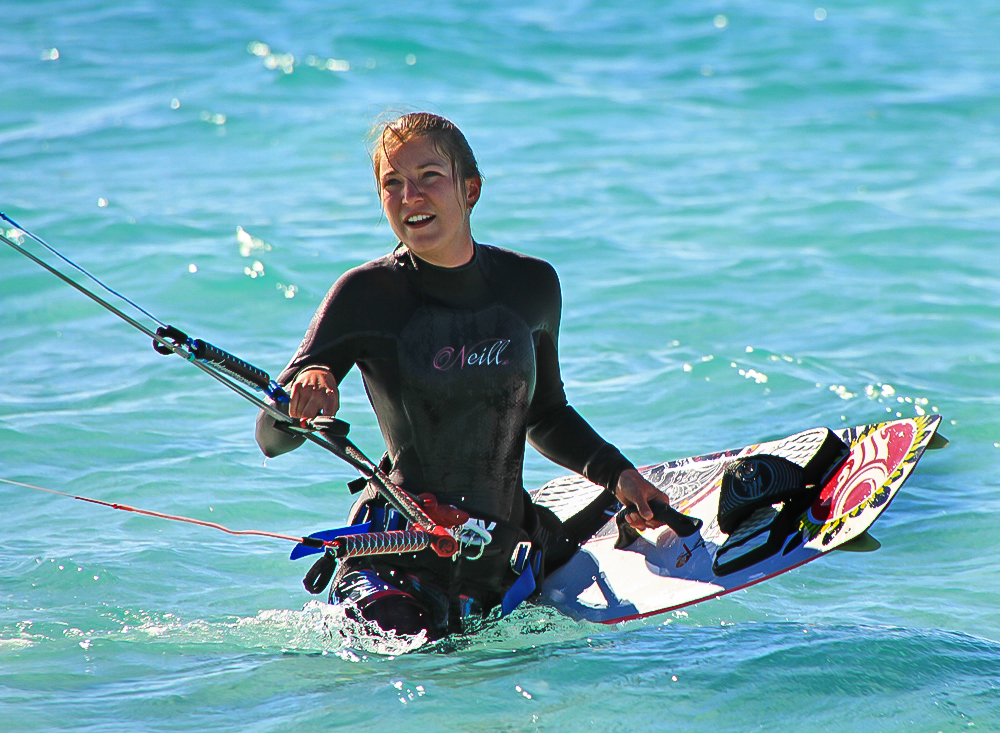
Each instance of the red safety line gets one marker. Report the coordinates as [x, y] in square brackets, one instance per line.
[160, 515]
[371, 543]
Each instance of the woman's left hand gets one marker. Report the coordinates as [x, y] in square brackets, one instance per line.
[635, 492]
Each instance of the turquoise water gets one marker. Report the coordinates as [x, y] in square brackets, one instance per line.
[766, 217]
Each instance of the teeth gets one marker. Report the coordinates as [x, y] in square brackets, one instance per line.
[419, 218]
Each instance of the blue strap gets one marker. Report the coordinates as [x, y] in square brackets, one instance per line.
[301, 550]
[383, 519]
[376, 519]
[523, 587]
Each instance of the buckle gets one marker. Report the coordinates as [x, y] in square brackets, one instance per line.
[473, 534]
[519, 558]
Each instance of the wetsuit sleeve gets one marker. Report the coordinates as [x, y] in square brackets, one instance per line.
[330, 342]
[555, 429]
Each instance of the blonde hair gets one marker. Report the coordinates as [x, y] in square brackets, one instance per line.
[387, 136]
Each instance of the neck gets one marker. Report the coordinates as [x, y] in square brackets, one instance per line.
[451, 257]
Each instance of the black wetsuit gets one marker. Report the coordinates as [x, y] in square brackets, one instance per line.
[461, 366]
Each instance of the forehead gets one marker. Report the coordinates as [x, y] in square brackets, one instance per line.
[417, 152]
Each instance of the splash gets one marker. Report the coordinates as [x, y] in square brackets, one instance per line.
[249, 243]
[328, 628]
[318, 628]
[529, 626]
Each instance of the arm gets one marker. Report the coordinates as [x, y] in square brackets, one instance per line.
[312, 376]
[564, 437]
[560, 434]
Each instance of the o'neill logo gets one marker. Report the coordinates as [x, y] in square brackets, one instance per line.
[485, 353]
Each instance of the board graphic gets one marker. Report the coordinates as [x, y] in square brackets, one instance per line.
[660, 571]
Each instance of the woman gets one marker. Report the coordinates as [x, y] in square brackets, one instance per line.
[457, 345]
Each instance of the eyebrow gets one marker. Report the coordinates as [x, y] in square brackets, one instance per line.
[428, 164]
[431, 164]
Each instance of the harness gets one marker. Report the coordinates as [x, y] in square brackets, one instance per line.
[498, 564]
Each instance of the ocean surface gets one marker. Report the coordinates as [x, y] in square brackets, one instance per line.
[765, 216]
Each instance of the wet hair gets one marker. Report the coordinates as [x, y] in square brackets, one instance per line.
[387, 136]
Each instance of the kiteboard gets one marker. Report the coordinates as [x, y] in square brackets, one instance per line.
[656, 571]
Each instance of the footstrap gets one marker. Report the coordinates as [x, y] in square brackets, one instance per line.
[753, 482]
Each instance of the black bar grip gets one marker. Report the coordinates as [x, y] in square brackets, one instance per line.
[331, 426]
[230, 364]
[682, 524]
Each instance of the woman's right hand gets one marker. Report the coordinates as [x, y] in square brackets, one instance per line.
[313, 393]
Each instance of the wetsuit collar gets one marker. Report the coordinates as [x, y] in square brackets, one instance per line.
[465, 286]
[406, 257]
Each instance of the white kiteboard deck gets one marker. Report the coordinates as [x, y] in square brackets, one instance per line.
[661, 572]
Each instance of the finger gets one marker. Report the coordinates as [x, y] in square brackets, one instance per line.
[642, 506]
[295, 400]
[326, 402]
[332, 403]
[638, 522]
[306, 401]
[322, 401]
[303, 407]
[635, 521]
[313, 406]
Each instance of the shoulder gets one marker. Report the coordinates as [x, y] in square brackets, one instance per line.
[528, 285]
[368, 280]
[533, 272]
[382, 270]
[365, 297]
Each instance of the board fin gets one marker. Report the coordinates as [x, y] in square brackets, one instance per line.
[937, 442]
[864, 542]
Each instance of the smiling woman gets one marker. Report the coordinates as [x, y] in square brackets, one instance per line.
[428, 209]
[429, 182]
[457, 344]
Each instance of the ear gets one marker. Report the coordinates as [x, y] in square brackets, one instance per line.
[473, 187]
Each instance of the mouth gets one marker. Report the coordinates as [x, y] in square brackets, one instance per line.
[415, 221]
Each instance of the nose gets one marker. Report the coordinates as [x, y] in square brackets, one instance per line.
[411, 192]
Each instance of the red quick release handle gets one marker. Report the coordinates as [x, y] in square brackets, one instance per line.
[444, 514]
[443, 542]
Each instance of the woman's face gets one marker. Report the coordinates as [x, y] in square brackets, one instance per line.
[426, 207]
